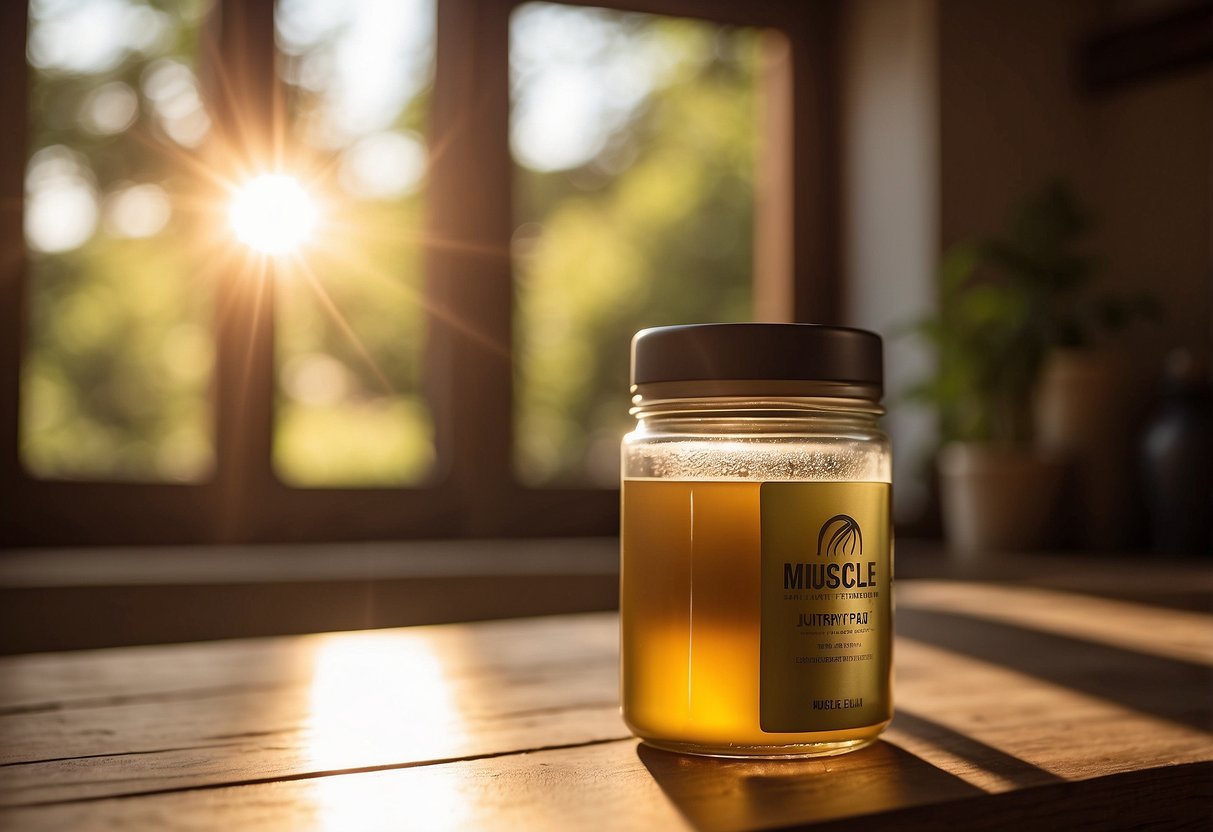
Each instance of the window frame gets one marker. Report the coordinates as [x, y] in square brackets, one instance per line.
[468, 378]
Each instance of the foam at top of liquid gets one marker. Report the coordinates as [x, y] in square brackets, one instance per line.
[846, 460]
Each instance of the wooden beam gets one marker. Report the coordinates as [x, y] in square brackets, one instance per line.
[817, 225]
[469, 275]
[247, 103]
[14, 114]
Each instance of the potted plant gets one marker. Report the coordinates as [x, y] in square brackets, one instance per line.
[1005, 305]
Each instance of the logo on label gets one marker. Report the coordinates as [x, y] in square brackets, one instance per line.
[845, 537]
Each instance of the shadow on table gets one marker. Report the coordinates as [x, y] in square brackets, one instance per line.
[734, 794]
[1006, 767]
[1161, 686]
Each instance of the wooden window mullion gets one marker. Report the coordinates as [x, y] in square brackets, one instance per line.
[14, 114]
[469, 274]
[243, 91]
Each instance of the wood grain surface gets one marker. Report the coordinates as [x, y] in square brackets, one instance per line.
[1014, 705]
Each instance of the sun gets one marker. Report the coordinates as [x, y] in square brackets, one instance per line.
[273, 214]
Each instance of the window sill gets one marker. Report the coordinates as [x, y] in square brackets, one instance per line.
[65, 599]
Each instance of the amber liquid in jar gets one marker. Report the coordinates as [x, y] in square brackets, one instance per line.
[694, 620]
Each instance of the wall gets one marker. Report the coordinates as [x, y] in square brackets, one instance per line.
[891, 201]
[1152, 156]
[1009, 116]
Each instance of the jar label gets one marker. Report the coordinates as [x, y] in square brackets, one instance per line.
[826, 603]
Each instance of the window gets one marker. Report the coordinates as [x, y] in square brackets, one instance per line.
[401, 392]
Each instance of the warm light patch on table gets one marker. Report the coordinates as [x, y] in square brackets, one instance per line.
[372, 697]
[273, 214]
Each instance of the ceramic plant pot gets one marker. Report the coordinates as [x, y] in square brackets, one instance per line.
[999, 498]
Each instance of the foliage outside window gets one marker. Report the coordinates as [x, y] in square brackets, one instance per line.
[115, 385]
[635, 139]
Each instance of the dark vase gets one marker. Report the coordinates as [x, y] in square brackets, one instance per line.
[1177, 461]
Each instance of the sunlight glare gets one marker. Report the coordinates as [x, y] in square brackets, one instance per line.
[379, 697]
[273, 214]
[385, 698]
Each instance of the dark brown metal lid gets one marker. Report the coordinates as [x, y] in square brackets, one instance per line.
[757, 359]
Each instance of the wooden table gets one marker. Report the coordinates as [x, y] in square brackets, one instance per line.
[1013, 703]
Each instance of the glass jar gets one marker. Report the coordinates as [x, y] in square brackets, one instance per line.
[757, 550]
